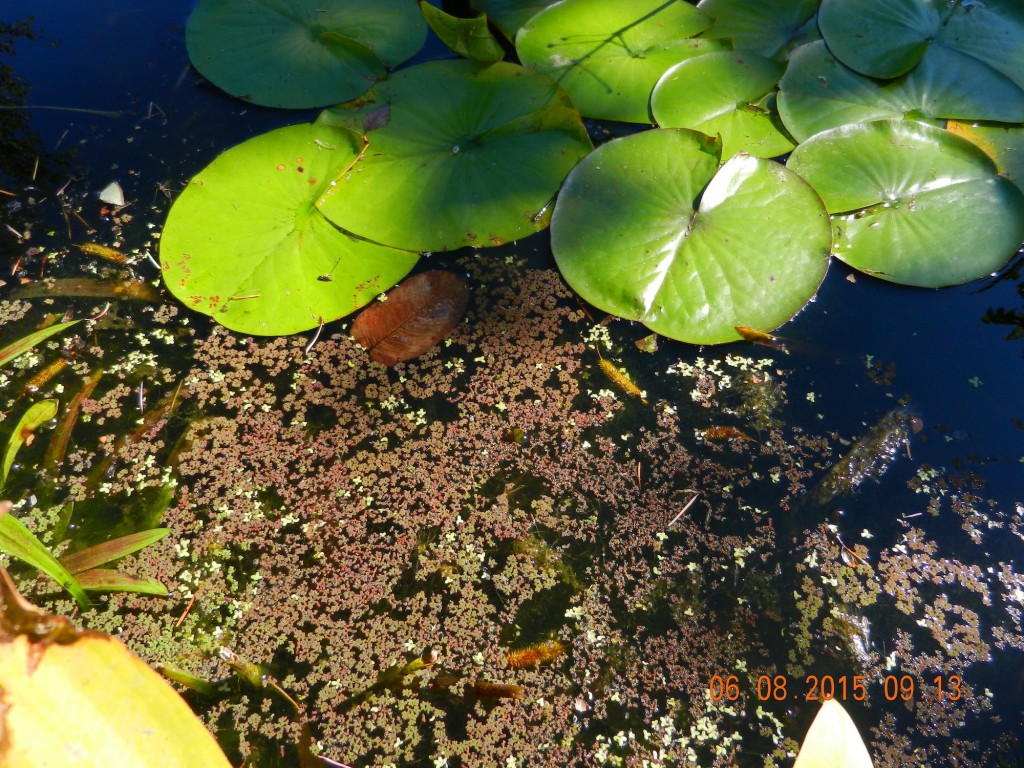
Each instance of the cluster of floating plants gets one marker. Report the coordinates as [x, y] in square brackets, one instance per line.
[494, 553]
[513, 551]
[689, 228]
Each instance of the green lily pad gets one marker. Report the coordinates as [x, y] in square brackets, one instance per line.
[722, 93]
[911, 203]
[608, 54]
[879, 39]
[649, 228]
[465, 154]
[764, 27]
[887, 38]
[818, 92]
[245, 244]
[467, 37]
[301, 53]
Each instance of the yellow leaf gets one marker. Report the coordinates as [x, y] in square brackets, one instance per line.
[83, 699]
[832, 741]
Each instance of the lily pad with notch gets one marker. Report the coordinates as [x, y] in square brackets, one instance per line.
[471, 37]
[765, 27]
[510, 15]
[1003, 143]
[819, 92]
[460, 153]
[301, 53]
[609, 54]
[888, 38]
[245, 244]
[727, 93]
[911, 203]
[650, 228]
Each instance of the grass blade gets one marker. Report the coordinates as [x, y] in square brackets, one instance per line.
[18, 541]
[26, 343]
[108, 551]
[36, 415]
[108, 580]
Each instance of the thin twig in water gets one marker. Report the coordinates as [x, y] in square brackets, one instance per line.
[184, 613]
[68, 209]
[682, 511]
[315, 337]
[67, 219]
[174, 399]
[100, 112]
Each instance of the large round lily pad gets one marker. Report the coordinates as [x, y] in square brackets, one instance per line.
[911, 203]
[887, 38]
[649, 228]
[724, 93]
[301, 53]
[459, 154]
[819, 92]
[608, 54]
[245, 244]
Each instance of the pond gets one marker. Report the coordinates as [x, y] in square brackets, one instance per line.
[497, 554]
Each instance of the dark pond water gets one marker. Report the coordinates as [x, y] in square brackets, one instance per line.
[862, 349]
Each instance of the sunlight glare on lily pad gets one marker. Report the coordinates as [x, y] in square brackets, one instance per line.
[649, 228]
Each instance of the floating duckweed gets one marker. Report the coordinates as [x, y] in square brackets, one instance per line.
[403, 509]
